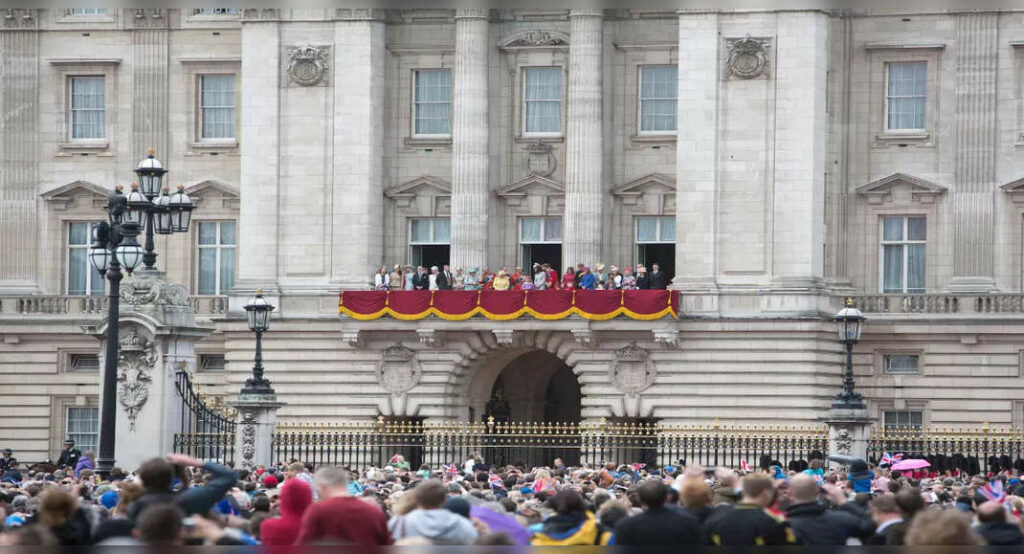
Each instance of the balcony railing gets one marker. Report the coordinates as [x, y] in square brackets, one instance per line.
[93, 305]
[908, 303]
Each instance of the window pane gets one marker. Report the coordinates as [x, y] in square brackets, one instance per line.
[207, 271]
[208, 232]
[83, 427]
[217, 103]
[543, 94]
[668, 229]
[88, 107]
[916, 228]
[646, 229]
[530, 230]
[901, 363]
[553, 229]
[227, 269]
[227, 232]
[892, 228]
[907, 95]
[442, 230]
[658, 93]
[419, 230]
[892, 272]
[432, 102]
[915, 268]
[78, 271]
[78, 234]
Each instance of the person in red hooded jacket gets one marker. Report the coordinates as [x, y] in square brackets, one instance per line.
[296, 496]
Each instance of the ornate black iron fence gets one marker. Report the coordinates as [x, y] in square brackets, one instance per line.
[206, 431]
[971, 451]
[531, 444]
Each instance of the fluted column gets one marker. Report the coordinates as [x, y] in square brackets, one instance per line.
[470, 185]
[975, 163]
[584, 144]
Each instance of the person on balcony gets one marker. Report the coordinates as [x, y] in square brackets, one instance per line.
[382, 280]
[502, 280]
[395, 280]
[643, 281]
[444, 278]
[599, 276]
[518, 278]
[540, 277]
[628, 279]
[614, 281]
[659, 280]
[588, 281]
[432, 278]
[459, 279]
[408, 278]
[569, 279]
[472, 280]
[421, 281]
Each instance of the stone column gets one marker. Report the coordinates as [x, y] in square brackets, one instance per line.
[470, 171]
[976, 144]
[697, 178]
[257, 418]
[584, 142]
[848, 433]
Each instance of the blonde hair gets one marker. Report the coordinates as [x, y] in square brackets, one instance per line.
[127, 492]
[941, 527]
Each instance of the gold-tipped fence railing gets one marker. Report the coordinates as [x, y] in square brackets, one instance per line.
[375, 443]
[983, 449]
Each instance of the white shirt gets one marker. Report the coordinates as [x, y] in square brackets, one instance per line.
[433, 282]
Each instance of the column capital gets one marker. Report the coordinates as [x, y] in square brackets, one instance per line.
[472, 13]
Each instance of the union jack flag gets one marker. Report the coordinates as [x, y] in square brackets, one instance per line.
[496, 482]
[994, 491]
[451, 470]
[638, 466]
[889, 459]
[744, 466]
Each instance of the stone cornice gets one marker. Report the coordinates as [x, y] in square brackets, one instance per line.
[83, 61]
[904, 46]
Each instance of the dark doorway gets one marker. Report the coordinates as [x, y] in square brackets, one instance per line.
[663, 254]
[543, 254]
[428, 255]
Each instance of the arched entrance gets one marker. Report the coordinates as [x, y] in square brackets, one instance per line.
[534, 386]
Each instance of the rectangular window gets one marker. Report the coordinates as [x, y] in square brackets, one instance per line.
[429, 231]
[217, 106]
[88, 107]
[542, 96]
[659, 89]
[214, 11]
[84, 362]
[87, 11]
[432, 100]
[216, 251]
[903, 255]
[540, 230]
[905, 96]
[211, 362]
[901, 364]
[655, 230]
[82, 279]
[83, 427]
[903, 419]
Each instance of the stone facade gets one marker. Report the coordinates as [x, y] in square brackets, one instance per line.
[778, 176]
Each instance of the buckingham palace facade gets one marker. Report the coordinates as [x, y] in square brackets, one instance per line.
[774, 162]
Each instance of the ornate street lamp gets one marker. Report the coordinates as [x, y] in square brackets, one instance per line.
[181, 207]
[113, 247]
[157, 213]
[258, 313]
[850, 325]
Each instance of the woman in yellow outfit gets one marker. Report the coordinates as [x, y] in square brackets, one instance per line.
[571, 525]
[501, 281]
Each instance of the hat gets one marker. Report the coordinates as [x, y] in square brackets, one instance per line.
[270, 482]
[70, 441]
[8, 451]
[457, 505]
[109, 499]
[859, 470]
[433, 268]
[599, 266]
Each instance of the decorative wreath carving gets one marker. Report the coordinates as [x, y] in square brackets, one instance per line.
[134, 367]
[154, 292]
[844, 443]
[399, 369]
[748, 58]
[307, 64]
[633, 370]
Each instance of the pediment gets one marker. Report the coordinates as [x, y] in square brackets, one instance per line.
[921, 190]
[211, 187]
[535, 39]
[1015, 189]
[420, 186]
[532, 185]
[64, 195]
[655, 183]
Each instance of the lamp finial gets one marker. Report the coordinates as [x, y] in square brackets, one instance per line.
[150, 152]
[259, 293]
[849, 302]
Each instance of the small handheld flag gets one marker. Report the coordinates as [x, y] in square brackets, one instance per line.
[451, 470]
[994, 491]
[744, 466]
[496, 482]
[638, 466]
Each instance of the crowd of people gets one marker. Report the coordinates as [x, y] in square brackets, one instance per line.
[178, 500]
[541, 277]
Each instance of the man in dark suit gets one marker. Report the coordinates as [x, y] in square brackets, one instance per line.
[444, 278]
[421, 281]
[643, 280]
[889, 521]
[70, 455]
[658, 279]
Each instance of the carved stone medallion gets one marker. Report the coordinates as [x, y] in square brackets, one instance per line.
[537, 38]
[399, 369]
[540, 160]
[633, 370]
[748, 58]
[134, 373]
[307, 65]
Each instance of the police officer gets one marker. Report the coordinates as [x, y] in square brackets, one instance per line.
[70, 455]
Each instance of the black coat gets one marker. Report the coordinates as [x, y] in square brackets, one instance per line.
[815, 523]
[748, 525]
[643, 282]
[421, 281]
[658, 281]
[660, 526]
[69, 457]
[443, 283]
[1000, 533]
[890, 536]
[195, 500]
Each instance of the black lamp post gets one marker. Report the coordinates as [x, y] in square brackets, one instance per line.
[115, 247]
[850, 325]
[258, 313]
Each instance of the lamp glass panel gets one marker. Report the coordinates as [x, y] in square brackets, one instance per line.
[251, 315]
[129, 255]
[262, 319]
[162, 222]
[100, 258]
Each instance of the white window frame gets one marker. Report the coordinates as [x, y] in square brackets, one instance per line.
[70, 115]
[227, 141]
[67, 427]
[86, 12]
[905, 241]
[885, 102]
[657, 229]
[545, 221]
[640, 101]
[887, 363]
[886, 412]
[561, 103]
[218, 288]
[94, 285]
[415, 104]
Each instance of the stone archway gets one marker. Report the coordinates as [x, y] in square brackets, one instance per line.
[525, 384]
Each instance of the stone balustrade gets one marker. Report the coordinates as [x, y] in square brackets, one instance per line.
[941, 304]
[92, 305]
